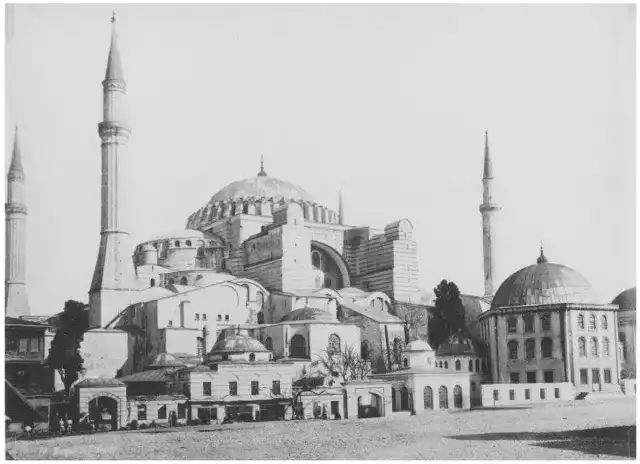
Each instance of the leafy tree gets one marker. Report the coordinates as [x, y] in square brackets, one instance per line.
[64, 354]
[448, 315]
[347, 364]
[414, 319]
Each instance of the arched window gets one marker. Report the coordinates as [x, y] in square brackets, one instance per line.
[512, 324]
[592, 321]
[247, 291]
[545, 321]
[530, 349]
[581, 321]
[604, 324]
[268, 344]
[582, 347]
[298, 346]
[470, 365]
[458, 365]
[446, 364]
[164, 250]
[364, 349]
[405, 362]
[316, 259]
[477, 365]
[428, 397]
[172, 282]
[594, 347]
[334, 344]
[245, 208]
[443, 397]
[187, 243]
[260, 299]
[440, 364]
[155, 245]
[512, 347]
[547, 348]
[529, 323]
[457, 397]
[183, 281]
[260, 317]
[177, 243]
[252, 357]
[153, 282]
[605, 346]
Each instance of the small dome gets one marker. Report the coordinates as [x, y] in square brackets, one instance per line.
[418, 345]
[307, 314]
[237, 341]
[544, 283]
[459, 344]
[165, 360]
[262, 186]
[626, 300]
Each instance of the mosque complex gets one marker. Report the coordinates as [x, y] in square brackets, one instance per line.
[224, 318]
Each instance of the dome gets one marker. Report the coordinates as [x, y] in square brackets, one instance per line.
[544, 283]
[165, 360]
[237, 341]
[626, 300]
[459, 344]
[418, 345]
[262, 186]
[307, 314]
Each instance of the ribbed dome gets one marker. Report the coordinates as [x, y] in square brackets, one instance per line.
[626, 300]
[237, 342]
[544, 283]
[307, 314]
[458, 344]
[262, 187]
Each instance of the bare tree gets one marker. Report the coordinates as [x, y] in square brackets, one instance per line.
[414, 319]
[347, 364]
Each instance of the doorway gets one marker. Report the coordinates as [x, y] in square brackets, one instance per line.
[103, 411]
[596, 384]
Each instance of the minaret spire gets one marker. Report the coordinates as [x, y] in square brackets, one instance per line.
[16, 303]
[487, 208]
[340, 208]
[114, 276]
[262, 172]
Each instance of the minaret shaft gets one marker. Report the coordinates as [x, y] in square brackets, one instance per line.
[487, 209]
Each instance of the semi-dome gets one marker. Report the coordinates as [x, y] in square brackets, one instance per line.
[459, 344]
[237, 341]
[626, 300]
[544, 283]
[307, 314]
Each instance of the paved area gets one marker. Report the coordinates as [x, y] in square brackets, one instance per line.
[579, 430]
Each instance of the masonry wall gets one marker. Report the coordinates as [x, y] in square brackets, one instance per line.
[516, 394]
[105, 351]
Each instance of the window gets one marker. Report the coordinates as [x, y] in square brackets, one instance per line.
[142, 412]
[607, 376]
[605, 346]
[473, 386]
[528, 323]
[582, 347]
[162, 412]
[527, 394]
[547, 348]
[543, 393]
[268, 344]
[458, 365]
[592, 321]
[581, 321]
[531, 377]
[187, 243]
[197, 316]
[184, 281]
[206, 388]
[512, 347]
[275, 387]
[333, 345]
[584, 377]
[512, 395]
[177, 243]
[604, 323]
[477, 365]
[182, 411]
[204, 317]
[315, 259]
[405, 362]
[545, 321]
[364, 349]
[594, 347]
[530, 349]
[226, 318]
[219, 317]
[152, 282]
[548, 376]
[261, 318]
[496, 395]
[512, 324]
[514, 377]
[170, 323]
[446, 364]
[556, 392]
[252, 357]
[470, 365]
[255, 387]
[233, 388]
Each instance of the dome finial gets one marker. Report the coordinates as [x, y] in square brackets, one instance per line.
[262, 172]
[542, 258]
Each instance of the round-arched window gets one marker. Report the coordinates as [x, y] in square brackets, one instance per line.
[252, 357]
[334, 344]
[177, 243]
[188, 243]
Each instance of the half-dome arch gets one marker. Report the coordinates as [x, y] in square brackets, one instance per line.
[337, 258]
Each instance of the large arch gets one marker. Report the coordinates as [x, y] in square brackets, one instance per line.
[337, 259]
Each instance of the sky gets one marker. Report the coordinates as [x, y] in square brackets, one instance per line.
[387, 102]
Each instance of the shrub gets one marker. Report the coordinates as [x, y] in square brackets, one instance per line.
[143, 426]
[133, 425]
[124, 429]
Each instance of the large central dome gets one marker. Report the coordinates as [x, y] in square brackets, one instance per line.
[261, 186]
[544, 283]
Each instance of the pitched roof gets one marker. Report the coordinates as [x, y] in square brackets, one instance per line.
[155, 375]
[17, 407]
[377, 315]
[12, 321]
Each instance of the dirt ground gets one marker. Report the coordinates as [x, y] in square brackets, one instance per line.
[577, 430]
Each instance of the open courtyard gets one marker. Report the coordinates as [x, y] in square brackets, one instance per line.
[576, 430]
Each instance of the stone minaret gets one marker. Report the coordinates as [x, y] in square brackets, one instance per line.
[114, 275]
[487, 208]
[16, 303]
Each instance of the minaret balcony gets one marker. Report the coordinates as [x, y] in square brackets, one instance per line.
[489, 207]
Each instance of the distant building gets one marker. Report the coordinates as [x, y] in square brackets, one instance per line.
[626, 301]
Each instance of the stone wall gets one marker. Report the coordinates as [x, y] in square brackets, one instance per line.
[516, 394]
[105, 351]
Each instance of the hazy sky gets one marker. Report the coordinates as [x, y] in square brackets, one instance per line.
[387, 102]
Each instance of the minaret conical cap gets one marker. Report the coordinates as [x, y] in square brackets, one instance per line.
[488, 166]
[16, 158]
[114, 68]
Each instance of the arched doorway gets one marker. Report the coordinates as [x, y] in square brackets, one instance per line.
[428, 397]
[298, 347]
[394, 406]
[457, 397]
[404, 399]
[443, 397]
[103, 411]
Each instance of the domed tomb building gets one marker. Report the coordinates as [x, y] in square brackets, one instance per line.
[547, 325]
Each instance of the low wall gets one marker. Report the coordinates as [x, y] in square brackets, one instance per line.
[509, 394]
[629, 386]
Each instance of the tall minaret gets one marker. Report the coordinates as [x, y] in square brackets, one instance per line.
[340, 209]
[16, 303]
[487, 208]
[114, 275]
